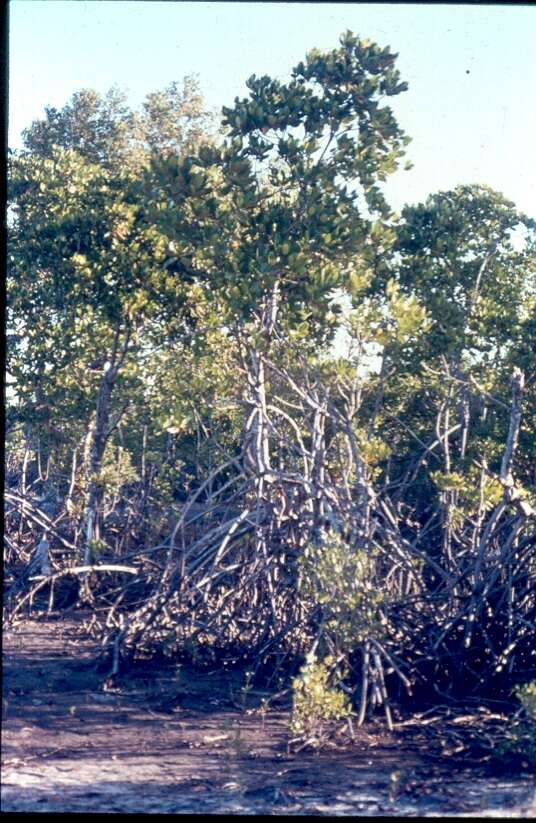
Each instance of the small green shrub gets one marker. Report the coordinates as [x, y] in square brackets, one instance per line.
[316, 703]
[519, 747]
[527, 696]
[96, 546]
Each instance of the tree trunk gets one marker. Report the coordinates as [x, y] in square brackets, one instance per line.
[101, 432]
[100, 436]
[257, 446]
[257, 442]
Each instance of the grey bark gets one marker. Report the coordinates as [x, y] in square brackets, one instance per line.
[101, 432]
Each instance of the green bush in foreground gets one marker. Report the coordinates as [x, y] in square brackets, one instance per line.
[520, 744]
[316, 703]
[527, 696]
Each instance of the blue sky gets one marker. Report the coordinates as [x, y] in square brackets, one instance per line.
[470, 108]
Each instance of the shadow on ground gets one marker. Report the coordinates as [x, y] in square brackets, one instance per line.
[175, 741]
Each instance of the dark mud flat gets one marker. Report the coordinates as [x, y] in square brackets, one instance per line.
[175, 741]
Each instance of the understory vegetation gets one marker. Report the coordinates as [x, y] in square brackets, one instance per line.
[254, 415]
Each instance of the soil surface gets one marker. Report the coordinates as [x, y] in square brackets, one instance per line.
[180, 741]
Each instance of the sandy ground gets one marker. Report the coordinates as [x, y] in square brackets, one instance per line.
[177, 741]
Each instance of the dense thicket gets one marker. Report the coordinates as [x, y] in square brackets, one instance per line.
[253, 411]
